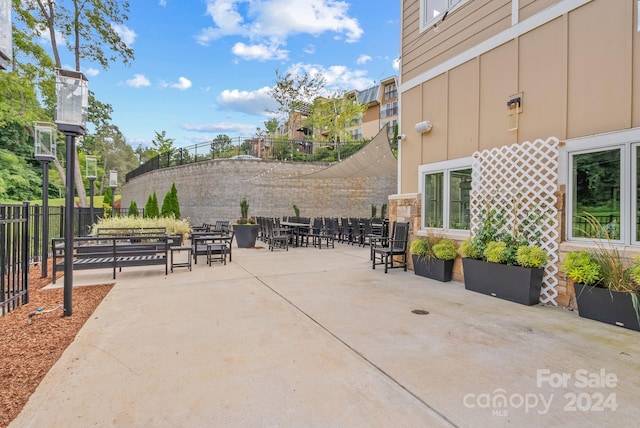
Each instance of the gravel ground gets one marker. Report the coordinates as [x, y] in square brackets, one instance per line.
[28, 351]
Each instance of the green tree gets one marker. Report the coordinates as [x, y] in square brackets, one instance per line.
[161, 143]
[133, 209]
[293, 92]
[151, 209]
[89, 26]
[170, 205]
[106, 201]
[334, 115]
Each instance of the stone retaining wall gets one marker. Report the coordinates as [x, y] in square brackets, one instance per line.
[212, 190]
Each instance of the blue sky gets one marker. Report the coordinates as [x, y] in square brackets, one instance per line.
[204, 67]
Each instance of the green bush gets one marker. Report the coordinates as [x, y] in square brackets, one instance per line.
[580, 266]
[419, 247]
[496, 252]
[531, 256]
[133, 209]
[445, 249]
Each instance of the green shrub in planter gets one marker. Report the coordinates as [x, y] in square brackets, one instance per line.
[581, 267]
[531, 256]
[496, 252]
[445, 250]
[420, 247]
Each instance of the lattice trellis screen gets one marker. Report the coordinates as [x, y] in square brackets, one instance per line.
[519, 180]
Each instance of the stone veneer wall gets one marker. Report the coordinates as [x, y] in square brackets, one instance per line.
[212, 190]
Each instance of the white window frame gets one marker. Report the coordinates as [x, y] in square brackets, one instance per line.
[446, 167]
[627, 141]
[426, 22]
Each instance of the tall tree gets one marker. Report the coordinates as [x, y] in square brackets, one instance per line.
[89, 29]
[333, 116]
[293, 92]
[161, 143]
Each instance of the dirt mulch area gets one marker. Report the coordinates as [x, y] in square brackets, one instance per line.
[28, 351]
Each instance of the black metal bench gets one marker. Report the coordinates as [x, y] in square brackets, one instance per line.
[113, 252]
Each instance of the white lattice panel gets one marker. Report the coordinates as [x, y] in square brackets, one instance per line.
[517, 180]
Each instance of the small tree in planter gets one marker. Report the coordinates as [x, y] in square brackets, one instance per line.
[246, 231]
[433, 257]
[606, 283]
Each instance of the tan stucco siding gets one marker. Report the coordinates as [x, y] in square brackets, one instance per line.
[599, 68]
[542, 61]
[463, 109]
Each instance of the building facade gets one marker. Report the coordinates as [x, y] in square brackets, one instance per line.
[530, 100]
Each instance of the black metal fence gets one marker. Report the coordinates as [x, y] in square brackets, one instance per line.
[249, 148]
[14, 256]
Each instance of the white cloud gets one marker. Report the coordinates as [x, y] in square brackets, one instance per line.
[215, 129]
[91, 72]
[337, 77]
[363, 59]
[258, 52]
[251, 102]
[138, 81]
[271, 22]
[310, 49]
[396, 64]
[183, 83]
[162, 2]
[127, 35]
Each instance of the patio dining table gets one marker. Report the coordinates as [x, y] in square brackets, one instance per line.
[296, 228]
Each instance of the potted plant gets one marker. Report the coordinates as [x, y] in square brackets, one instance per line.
[246, 229]
[502, 264]
[606, 283]
[433, 257]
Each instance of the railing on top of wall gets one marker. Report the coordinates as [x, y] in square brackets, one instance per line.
[251, 148]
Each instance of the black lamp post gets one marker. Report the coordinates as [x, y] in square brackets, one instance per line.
[44, 148]
[72, 96]
[5, 34]
[91, 163]
[113, 183]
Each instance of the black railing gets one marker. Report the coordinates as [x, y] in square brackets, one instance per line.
[14, 256]
[243, 148]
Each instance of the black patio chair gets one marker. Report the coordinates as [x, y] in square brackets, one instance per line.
[396, 246]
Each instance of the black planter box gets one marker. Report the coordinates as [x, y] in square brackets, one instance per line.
[246, 235]
[611, 307]
[432, 268]
[513, 283]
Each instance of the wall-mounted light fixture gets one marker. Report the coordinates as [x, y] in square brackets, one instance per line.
[422, 127]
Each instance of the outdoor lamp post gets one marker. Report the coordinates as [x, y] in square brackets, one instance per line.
[91, 163]
[72, 100]
[113, 183]
[44, 150]
[5, 34]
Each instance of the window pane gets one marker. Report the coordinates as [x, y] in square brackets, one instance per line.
[596, 191]
[436, 8]
[459, 188]
[433, 202]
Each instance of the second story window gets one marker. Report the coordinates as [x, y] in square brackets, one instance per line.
[390, 91]
[432, 10]
[389, 109]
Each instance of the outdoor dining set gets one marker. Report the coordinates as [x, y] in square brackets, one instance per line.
[214, 241]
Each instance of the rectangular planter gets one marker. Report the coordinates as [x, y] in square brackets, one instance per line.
[513, 283]
[611, 307]
[432, 268]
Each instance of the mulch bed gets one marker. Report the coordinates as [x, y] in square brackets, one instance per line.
[28, 351]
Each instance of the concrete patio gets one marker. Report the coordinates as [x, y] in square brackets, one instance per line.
[315, 337]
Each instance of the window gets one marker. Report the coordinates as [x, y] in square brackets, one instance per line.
[433, 10]
[389, 109]
[603, 180]
[390, 91]
[391, 130]
[445, 192]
